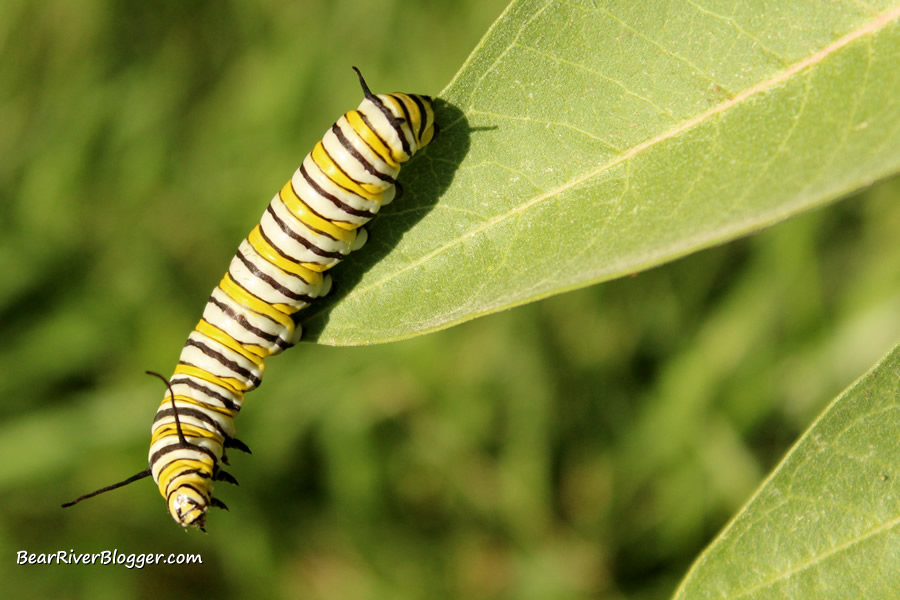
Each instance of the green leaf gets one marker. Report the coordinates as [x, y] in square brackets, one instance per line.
[825, 523]
[586, 140]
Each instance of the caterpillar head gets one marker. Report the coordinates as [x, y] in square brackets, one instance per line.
[185, 465]
[186, 479]
[188, 507]
[183, 470]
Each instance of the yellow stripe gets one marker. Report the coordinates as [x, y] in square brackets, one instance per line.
[397, 153]
[365, 132]
[277, 312]
[188, 430]
[259, 350]
[299, 209]
[346, 225]
[225, 382]
[193, 431]
[225, 412]
[167, 473]
[264, 249]
[334, 173]
[398, 106]
[417, 117]
[211, 331]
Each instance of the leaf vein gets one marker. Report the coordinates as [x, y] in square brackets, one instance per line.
[882, 528]
[730, 20]
[584, 68]
[528, 119]
[665, 50]
[759, 88]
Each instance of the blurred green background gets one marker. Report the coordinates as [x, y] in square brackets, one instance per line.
[589, 445]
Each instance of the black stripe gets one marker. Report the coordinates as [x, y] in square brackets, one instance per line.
[379, 136]
[296, 236]
[188, 485]
[341, 169]
[173, 486]
[201, 415]
[271, 280]
[159, 454]
[375, 133]
[333, 199]
[418, 100]
[396, 123]
[237, 283]
[310, 209]
[280, 253]
[224, 361]
[191, 411]
[248, 326]
[349, 147]
[408, 117]
[307, 225]
[226, 402]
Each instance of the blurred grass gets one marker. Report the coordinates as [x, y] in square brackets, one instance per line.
[585, 446]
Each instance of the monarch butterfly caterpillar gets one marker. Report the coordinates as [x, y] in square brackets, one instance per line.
[308, 227]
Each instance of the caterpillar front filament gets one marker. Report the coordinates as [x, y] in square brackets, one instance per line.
[310, 225]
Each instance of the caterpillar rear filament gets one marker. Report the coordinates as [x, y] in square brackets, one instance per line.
[310, 225]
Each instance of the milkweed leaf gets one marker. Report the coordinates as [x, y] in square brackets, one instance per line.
[589, 140]
[826, 523]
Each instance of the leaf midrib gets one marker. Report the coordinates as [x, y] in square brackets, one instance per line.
[810, 61]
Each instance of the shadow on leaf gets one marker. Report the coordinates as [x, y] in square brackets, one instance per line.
[424, 180]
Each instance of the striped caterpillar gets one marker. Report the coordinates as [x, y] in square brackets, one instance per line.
[310, 225]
